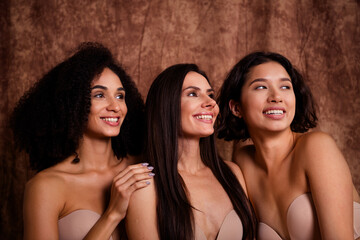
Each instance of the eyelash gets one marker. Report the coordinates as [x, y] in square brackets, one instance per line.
[121, 96]
[192, 94]
[282, 87]
[101, 95]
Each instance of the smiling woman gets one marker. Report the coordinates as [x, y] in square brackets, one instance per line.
[299, 183]
[80, 131]
[108, 108]
[196, 195]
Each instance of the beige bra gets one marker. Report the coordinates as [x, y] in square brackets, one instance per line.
[230, 229]
[77, 224]
[302, 221]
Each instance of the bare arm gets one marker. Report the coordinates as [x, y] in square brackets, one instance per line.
[330, 185]
[43, 201]
[141, 221]
[132, 178]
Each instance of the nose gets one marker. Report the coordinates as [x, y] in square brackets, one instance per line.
[113, 105]
[274, 96]
[209, 102]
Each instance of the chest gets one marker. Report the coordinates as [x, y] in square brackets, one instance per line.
[210, 201]
[90, 191]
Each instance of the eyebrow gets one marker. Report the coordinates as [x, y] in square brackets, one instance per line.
[105, 88]
[265, 80]
[198, 89]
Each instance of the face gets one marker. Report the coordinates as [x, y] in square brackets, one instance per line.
[108, 108]
[268, 100]
[198, 107]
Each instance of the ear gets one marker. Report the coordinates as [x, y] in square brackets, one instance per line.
[235, 108]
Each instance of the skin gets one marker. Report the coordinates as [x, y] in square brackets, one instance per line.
[213, 203]
[282, 165]
[66, 187]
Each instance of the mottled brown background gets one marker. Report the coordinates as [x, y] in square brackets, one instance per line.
[320, 37]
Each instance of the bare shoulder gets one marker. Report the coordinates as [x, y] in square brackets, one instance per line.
[46, 186]
[46, 181]
[234, 168]
[312, 148]
[142, 212]
[238, 173]
[44, 199]
[143, 194]
[243, 154]
[315, 139]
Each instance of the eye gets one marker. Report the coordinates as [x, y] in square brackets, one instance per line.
[260, 87]
[98, 95]
[120, 96]
[287, 87]
[192, 94]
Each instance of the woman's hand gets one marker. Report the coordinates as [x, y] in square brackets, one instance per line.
[132, 178]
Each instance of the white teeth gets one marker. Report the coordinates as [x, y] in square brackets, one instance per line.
[274, 112]
[110, 119]
[207, 117]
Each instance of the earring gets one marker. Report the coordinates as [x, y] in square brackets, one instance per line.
[76, 159]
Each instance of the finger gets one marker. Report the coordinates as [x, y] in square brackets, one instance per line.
[133, 169]
[124, 185]
[139, 185]
[120, 179]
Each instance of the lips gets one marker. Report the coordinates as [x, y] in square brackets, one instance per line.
[204, 117]
[112, 121]
[207, 117]
[274, 113]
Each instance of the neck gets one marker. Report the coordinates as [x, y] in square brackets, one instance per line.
[96, 154]
[189, 155]
[272, 149]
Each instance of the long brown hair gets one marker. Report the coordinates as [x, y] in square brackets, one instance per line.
[174, 211]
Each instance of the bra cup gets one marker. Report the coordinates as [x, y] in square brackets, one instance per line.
[356, 220]
[302, 222]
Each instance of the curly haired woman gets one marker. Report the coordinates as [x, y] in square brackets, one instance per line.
[80, 125]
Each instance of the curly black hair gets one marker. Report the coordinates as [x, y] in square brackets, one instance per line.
[50, 118]
[231, 127]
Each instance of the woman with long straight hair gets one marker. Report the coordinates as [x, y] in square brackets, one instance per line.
[196, 195]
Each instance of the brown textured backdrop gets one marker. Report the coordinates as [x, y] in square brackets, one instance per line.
[320, 37]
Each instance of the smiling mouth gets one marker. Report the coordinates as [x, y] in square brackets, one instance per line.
[112, 120]
[206, 117]
[274, 112]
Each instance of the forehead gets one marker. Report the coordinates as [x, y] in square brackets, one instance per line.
[107, 77]
[268, 70]
[195, 79]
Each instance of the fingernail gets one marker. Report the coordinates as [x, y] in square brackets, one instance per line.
[145, 164]
[151, 174]
[150, 168]
[147, 182]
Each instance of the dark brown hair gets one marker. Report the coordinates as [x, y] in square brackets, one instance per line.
[231, 127]
[49, 120]
[174, 211]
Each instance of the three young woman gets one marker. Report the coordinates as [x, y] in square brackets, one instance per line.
[70, 121]
[196, 195]
[79, 124]
[299, 183]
